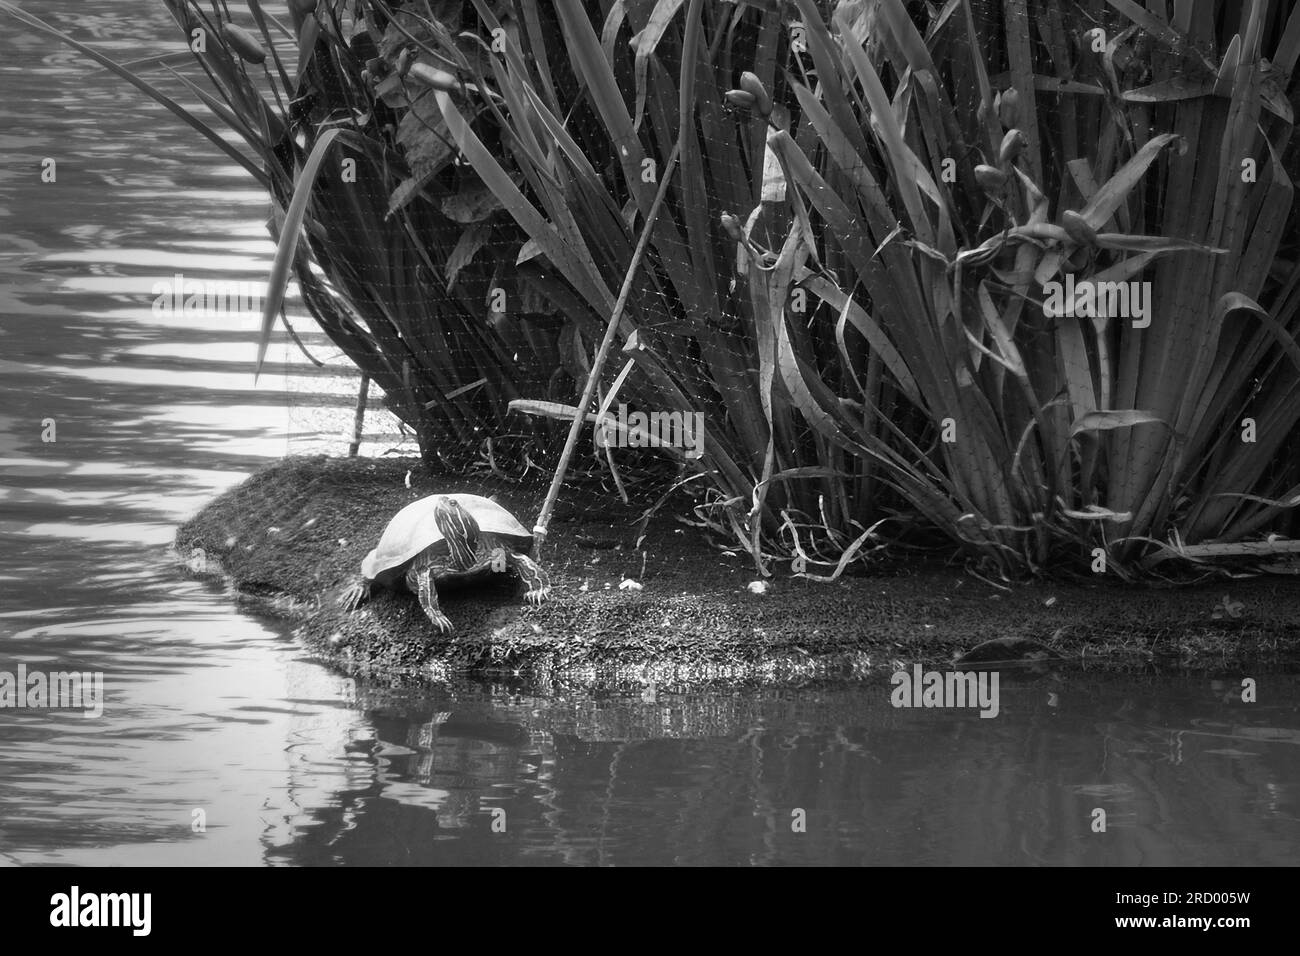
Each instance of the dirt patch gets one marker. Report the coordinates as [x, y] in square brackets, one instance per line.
[290, 536]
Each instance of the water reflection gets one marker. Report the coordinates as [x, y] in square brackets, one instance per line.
[717, 778]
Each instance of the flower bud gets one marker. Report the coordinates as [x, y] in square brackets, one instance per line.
[752, 85]
[740, 99]
[1012, 145]
[432, 76]
[991, 178]
[243, 43]
[1008, 107]
[1078, 228]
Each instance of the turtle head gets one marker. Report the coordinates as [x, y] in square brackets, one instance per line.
[459, 530]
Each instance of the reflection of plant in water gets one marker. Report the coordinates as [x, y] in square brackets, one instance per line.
[712, 777]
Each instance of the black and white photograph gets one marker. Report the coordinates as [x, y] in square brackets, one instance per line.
[651, 434]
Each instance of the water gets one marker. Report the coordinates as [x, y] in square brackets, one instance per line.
[215, 716]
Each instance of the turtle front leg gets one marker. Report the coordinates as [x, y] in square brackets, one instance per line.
[423, 586]
[539, 585]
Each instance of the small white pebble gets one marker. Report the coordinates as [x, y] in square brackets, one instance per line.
[309, 523]
[728, 554]
[343, 542]
[757, 587]
[408, 479]
[1050, 601]
[585, 586]
[627, 584]
[272, 530]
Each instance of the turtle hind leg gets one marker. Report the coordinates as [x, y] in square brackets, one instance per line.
[420, 580]
[539, 585]
[353, 594]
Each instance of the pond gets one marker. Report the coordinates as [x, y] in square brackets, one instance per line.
[220, 742]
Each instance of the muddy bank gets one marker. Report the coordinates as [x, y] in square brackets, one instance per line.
[291, 535]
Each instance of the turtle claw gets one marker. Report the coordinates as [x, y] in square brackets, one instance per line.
[350, 597]
[442, 624]
[539, 585]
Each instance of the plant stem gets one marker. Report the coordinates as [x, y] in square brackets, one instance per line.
[359, 419]
[544, 517]
[686, 115]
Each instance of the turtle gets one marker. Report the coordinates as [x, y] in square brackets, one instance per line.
[447, 539]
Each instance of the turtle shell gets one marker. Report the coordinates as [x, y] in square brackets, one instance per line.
[413, 529]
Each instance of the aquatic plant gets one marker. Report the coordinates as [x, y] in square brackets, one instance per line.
[1114, 436]
[902, 199]
[1021, 274]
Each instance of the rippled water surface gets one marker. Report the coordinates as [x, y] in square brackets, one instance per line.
[215, 715]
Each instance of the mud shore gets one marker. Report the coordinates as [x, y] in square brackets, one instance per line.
[286, 539]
